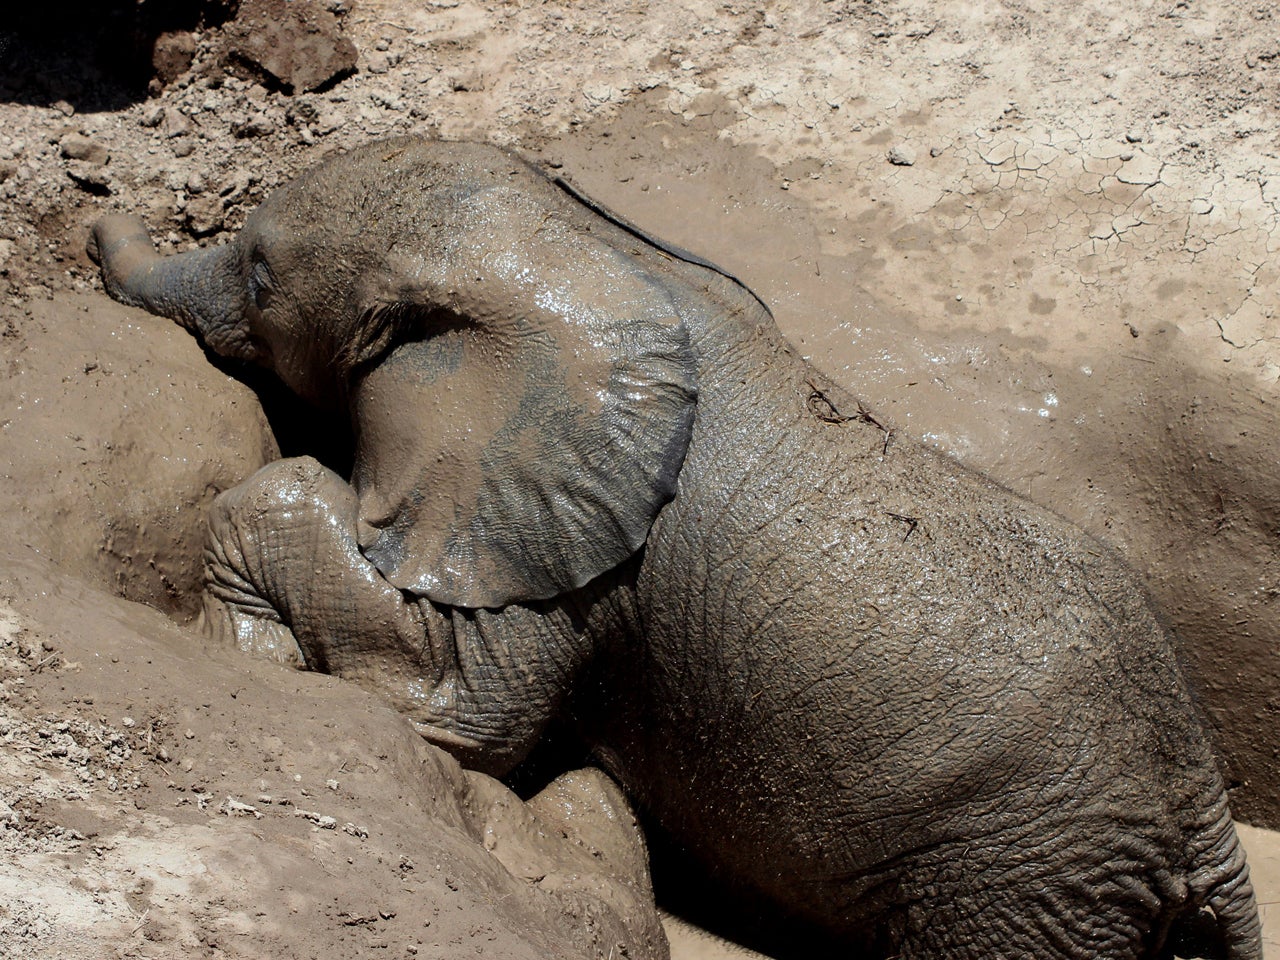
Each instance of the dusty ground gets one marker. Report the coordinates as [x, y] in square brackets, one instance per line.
[1040, 236]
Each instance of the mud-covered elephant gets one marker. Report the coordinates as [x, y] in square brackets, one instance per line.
[593, 481]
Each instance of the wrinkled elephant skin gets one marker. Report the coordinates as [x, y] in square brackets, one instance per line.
[594, 482]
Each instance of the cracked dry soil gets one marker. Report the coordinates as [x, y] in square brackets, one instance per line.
[1040, 236]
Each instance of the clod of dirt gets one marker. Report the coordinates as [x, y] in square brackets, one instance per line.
[172, 55]
[901, 156]
[298, 45]
[75, 147]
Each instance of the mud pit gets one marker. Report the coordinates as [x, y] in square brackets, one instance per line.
[1039, 237]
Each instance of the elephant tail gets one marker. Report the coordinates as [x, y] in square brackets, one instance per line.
[1219, 880]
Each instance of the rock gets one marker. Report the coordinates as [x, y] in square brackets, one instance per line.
[256, 126]
[205, 215]
[302, 110]
[174, 123]
[298, 45]
[89, 177]
[183, 147]
[76, 147]
[901, 155]
[172, 55]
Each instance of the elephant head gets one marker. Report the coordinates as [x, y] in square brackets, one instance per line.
[522, 389]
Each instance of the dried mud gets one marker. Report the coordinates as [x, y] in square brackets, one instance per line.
[1041, 237]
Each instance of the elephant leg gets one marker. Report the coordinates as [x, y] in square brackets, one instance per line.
[284, 578]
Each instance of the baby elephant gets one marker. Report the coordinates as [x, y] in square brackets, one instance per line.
[593, 483]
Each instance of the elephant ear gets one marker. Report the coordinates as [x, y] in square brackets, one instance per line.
[523, 434]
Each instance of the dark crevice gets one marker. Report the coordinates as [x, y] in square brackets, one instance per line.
[300, 429]
[96, 55]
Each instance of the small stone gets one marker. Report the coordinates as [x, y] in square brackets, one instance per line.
[234, 190]
[235, 808]
[1134, 136]
[196, 184]
[64, 108]
[90, 178]
[152, 118]
[258, 126]
[174, 123]
[935, 151]
[76, 147]
[205, 215]
[183, 147]
[302, 110]
[323, 821]
[378, 63]
[901, 155]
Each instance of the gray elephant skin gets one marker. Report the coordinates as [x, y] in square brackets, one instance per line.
[593, 483]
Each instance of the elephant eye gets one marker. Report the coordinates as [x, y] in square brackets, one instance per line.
[260, 284]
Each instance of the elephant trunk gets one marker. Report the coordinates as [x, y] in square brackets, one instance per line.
[201, 289]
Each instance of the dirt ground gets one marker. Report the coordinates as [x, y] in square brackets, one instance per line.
[1039, 236]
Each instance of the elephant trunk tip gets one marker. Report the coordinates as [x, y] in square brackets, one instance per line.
[120, 245]
[112, 234]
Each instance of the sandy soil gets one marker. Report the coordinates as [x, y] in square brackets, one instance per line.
[1040, 236]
